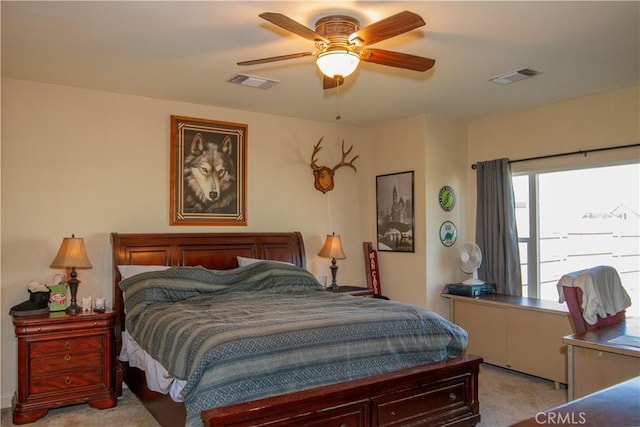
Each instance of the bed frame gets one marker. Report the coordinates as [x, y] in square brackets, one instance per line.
[440, 393]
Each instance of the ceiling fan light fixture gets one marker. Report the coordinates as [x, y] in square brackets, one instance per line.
[338, 63]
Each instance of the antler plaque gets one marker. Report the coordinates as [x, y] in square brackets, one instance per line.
[324, 175]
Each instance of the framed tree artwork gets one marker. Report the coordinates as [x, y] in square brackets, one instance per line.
[395, 214]
[208, 177]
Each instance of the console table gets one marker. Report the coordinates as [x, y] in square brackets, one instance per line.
[523, 334]
[596, 363]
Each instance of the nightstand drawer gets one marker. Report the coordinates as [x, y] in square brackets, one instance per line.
[70, 345]
[64, 362]
[67, 381]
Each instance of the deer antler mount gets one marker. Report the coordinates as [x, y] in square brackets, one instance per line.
[324, 175]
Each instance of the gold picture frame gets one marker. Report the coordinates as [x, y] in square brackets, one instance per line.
[208, 176]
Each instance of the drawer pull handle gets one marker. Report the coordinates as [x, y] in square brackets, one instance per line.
[393, 413]
[67, 345]
[67, 380]
[452, 396]
[344, 425]
[67, 357]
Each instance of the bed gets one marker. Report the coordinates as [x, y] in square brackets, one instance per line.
[443, 392]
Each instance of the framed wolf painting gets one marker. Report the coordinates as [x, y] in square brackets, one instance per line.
[208, 172]
[395, 216]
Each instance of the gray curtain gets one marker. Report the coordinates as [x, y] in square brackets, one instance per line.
[496, 232]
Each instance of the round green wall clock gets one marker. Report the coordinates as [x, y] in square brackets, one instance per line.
[447, 198]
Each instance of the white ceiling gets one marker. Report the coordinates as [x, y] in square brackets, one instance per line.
[187, 51]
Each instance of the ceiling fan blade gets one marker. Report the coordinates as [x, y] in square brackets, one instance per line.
[389, 27]
[397, 59]
[330, 83]
[276, 58]
[289, 24]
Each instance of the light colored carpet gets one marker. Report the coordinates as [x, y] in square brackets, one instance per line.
[128, 413]
[506, 397]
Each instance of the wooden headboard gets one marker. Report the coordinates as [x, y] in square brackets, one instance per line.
[210, 250]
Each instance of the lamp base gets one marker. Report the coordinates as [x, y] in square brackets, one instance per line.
[334, 271]
[74, 309]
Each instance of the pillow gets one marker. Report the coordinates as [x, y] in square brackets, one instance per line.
[243, 261]
[127, 271]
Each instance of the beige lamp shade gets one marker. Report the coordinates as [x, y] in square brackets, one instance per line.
[72, 253]
[332, 248]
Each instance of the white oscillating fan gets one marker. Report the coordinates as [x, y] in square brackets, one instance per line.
[469, 260]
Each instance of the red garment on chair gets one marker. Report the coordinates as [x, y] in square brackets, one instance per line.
[573, 296]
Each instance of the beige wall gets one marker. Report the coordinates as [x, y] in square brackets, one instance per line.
[89, 162]
[399, 146]
[604, 120]
[445, 164]
[435, 149]
[441, 152]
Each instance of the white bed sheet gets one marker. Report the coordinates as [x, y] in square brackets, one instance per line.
[158, 378]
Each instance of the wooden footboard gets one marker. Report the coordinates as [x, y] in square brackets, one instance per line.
[441, 393]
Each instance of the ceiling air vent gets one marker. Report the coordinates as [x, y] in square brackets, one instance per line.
[514, 76]
[253, 81]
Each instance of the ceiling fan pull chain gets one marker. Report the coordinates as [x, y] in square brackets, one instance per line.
[338, 117]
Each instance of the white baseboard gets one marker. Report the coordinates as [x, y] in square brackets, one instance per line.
[6, 401]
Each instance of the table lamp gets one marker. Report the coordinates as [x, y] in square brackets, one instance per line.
[72, 254]
[333, 249]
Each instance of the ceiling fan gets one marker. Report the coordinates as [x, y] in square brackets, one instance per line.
[341, 44]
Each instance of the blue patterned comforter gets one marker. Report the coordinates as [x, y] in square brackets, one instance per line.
[270, 328]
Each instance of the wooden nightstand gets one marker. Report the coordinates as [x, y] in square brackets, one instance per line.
[353, 290]
[64, 360]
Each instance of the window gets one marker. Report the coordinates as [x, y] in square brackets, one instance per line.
[574, 219]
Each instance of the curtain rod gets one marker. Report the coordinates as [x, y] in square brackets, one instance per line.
[584, 152]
